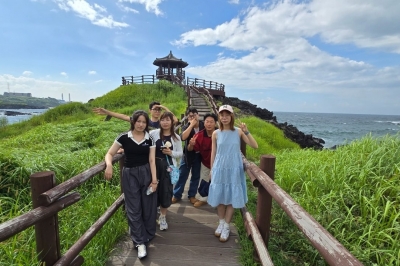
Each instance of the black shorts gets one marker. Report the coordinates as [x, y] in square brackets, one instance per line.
[165, 188]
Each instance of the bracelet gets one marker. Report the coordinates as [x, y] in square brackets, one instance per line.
[247, 133]
[155, 183]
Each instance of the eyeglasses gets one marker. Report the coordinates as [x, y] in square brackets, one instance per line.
[156, 109]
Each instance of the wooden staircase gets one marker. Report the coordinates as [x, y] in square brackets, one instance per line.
[197, 101]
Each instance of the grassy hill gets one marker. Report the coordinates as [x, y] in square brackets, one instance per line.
[353, 191]
[23, 102]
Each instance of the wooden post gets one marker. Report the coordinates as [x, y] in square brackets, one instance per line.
[46, 231]
[264, 200]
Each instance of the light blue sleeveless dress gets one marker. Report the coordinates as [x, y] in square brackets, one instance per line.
[228, 183]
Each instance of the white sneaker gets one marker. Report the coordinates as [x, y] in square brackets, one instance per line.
[225, 233]
[163, 223]
[219, 229]
[142, 251]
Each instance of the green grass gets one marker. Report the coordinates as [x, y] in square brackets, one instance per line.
[68, 140]
[353, 191]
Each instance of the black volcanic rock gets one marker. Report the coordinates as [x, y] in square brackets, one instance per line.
[290, 131]
[14, 113]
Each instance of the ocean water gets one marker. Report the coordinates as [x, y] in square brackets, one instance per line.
[337, 129]
[28, 113]
[334, 129]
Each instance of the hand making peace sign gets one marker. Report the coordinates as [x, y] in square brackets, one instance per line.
[192, 141]
[243, 126]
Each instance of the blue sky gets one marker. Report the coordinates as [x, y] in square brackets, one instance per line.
[339, 56]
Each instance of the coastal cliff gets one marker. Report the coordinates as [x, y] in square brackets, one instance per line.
[290, 131]
[24, 102]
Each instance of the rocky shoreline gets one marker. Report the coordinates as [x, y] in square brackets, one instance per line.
[21, 106]
[14, 113]
[290, 131]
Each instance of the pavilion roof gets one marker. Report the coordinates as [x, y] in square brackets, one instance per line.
[171, 60]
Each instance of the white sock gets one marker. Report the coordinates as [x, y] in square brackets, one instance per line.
[221, 221]
[226, 225]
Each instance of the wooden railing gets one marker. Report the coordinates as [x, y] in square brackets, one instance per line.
[214, 88]
[207, 97]
[258, 230]
[48, 199]
[144, 79]
[206, 84]
[162, 74]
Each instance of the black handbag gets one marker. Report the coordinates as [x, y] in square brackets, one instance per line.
[203, 188]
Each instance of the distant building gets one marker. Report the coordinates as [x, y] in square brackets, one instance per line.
[17, 94]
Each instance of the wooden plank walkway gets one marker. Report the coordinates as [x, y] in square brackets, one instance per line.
[189, 240]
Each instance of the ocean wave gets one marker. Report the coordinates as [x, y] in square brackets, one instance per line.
[389, 122]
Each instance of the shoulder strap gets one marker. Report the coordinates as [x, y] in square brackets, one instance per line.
[166, 156]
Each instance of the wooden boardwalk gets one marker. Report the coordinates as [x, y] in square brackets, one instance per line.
[189, 240]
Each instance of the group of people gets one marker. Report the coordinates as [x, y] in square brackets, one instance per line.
[209, 154]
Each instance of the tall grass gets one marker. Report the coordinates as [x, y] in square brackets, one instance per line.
[353, 192]
[3, 121]
[68, 140]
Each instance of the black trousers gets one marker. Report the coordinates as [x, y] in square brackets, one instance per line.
[140, 208]
[165, 188]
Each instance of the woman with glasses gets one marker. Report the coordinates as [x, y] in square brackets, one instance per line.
[168, 149]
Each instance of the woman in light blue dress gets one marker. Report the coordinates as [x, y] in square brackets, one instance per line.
[228, 184]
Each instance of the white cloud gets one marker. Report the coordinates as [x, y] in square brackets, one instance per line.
[151, 5]
[233, 2]
[100, 8]
[338, 21]
[27, 73]
[93, 13]
[43, 88]
[64, 74]
[126, 8]
[38, 87]
[278, 53]
[92, 72]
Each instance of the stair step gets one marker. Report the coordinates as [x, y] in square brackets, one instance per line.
[200, 109]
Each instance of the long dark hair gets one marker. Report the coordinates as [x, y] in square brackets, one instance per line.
[172, 130]
[135, 117]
